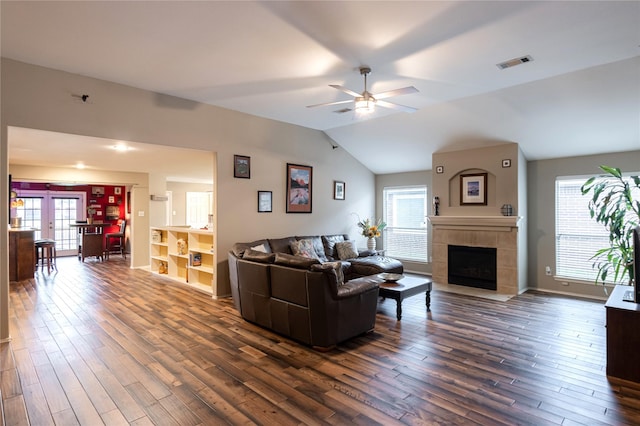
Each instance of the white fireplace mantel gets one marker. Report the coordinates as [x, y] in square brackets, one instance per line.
[470, 222]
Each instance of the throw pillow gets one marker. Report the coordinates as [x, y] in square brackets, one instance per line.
[303, 248]
[346, 250]
[334, 268]
[260, 248]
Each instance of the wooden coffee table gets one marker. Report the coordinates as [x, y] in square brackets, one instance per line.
[406, 287]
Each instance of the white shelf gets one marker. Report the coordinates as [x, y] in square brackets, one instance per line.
[176, 261]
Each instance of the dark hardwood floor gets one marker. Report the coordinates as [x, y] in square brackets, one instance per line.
[101, 343]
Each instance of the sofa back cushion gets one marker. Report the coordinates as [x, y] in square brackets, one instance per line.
[259, 256]
[281, 245]
[238, 249]
[329, 244]
[298, 262]
[318, 246]
[303, 248]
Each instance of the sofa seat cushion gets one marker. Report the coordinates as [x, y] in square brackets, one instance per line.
[372, 265]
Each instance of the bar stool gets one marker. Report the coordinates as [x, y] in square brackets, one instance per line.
[119, 239]
[46, 253]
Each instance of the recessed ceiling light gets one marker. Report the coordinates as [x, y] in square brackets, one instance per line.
[121, 147]
[80, 166]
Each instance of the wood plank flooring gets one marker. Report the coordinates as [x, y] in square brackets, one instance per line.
[100, 343]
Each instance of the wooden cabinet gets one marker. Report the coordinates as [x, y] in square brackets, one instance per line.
[22, 260]
[185, 255]
[623, 339]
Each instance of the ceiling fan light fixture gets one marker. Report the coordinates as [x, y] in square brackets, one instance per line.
[365, 105]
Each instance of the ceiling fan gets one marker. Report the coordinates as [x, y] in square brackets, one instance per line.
[366, 101]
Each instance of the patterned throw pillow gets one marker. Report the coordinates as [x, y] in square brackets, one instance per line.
[335, 268]
[346, 250]
[303, 248]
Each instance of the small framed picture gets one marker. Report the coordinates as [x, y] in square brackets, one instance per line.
[242, 166]
[117, 190]
[265, 202]
[338, 190]
[439, 169]
[506, 163]
[112, 199]
[473, 189]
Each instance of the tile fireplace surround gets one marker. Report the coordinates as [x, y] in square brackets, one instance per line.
[499, 232]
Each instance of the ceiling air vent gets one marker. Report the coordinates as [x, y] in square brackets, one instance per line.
[342, 111]
[513, 62]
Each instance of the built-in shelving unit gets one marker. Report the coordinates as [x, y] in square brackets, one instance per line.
[185, 255]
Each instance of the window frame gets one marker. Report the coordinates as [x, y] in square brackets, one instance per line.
[424, 229]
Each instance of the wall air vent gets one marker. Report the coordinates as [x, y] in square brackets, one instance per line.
[513, 62]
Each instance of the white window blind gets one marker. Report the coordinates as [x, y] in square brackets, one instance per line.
[405, 213]
[578, 236]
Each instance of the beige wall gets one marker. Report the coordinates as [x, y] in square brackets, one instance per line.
[36, 97]
[502, 183]
[179, 193]
[541, 214]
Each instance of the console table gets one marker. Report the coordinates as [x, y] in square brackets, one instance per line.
[623, 339]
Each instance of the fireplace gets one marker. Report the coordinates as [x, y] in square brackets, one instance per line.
[496, 232]
[473, 266]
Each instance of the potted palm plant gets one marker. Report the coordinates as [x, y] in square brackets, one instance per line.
[613, 206]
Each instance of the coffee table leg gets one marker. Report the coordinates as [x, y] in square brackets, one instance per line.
[398, 309]
[428, 300]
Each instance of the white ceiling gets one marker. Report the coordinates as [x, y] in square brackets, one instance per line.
[580, 95]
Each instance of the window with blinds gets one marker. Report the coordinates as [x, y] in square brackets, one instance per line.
[578, 236]
[405, 213]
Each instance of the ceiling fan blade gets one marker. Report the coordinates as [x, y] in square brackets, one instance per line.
[345, 90]
[330, 103]
[391, 105]
[396, 92]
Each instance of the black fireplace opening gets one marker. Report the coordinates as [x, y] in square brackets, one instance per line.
[473, 267]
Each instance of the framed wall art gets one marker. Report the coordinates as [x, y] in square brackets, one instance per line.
[242, 166]
[299, 188]
[338, 190]
[265, 202]
[473, 189]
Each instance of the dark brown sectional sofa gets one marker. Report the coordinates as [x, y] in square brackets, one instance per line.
[303, 298]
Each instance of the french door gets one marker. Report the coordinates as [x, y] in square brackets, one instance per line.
[51, 213]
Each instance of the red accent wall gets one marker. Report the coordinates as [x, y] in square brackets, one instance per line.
[101, 201]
